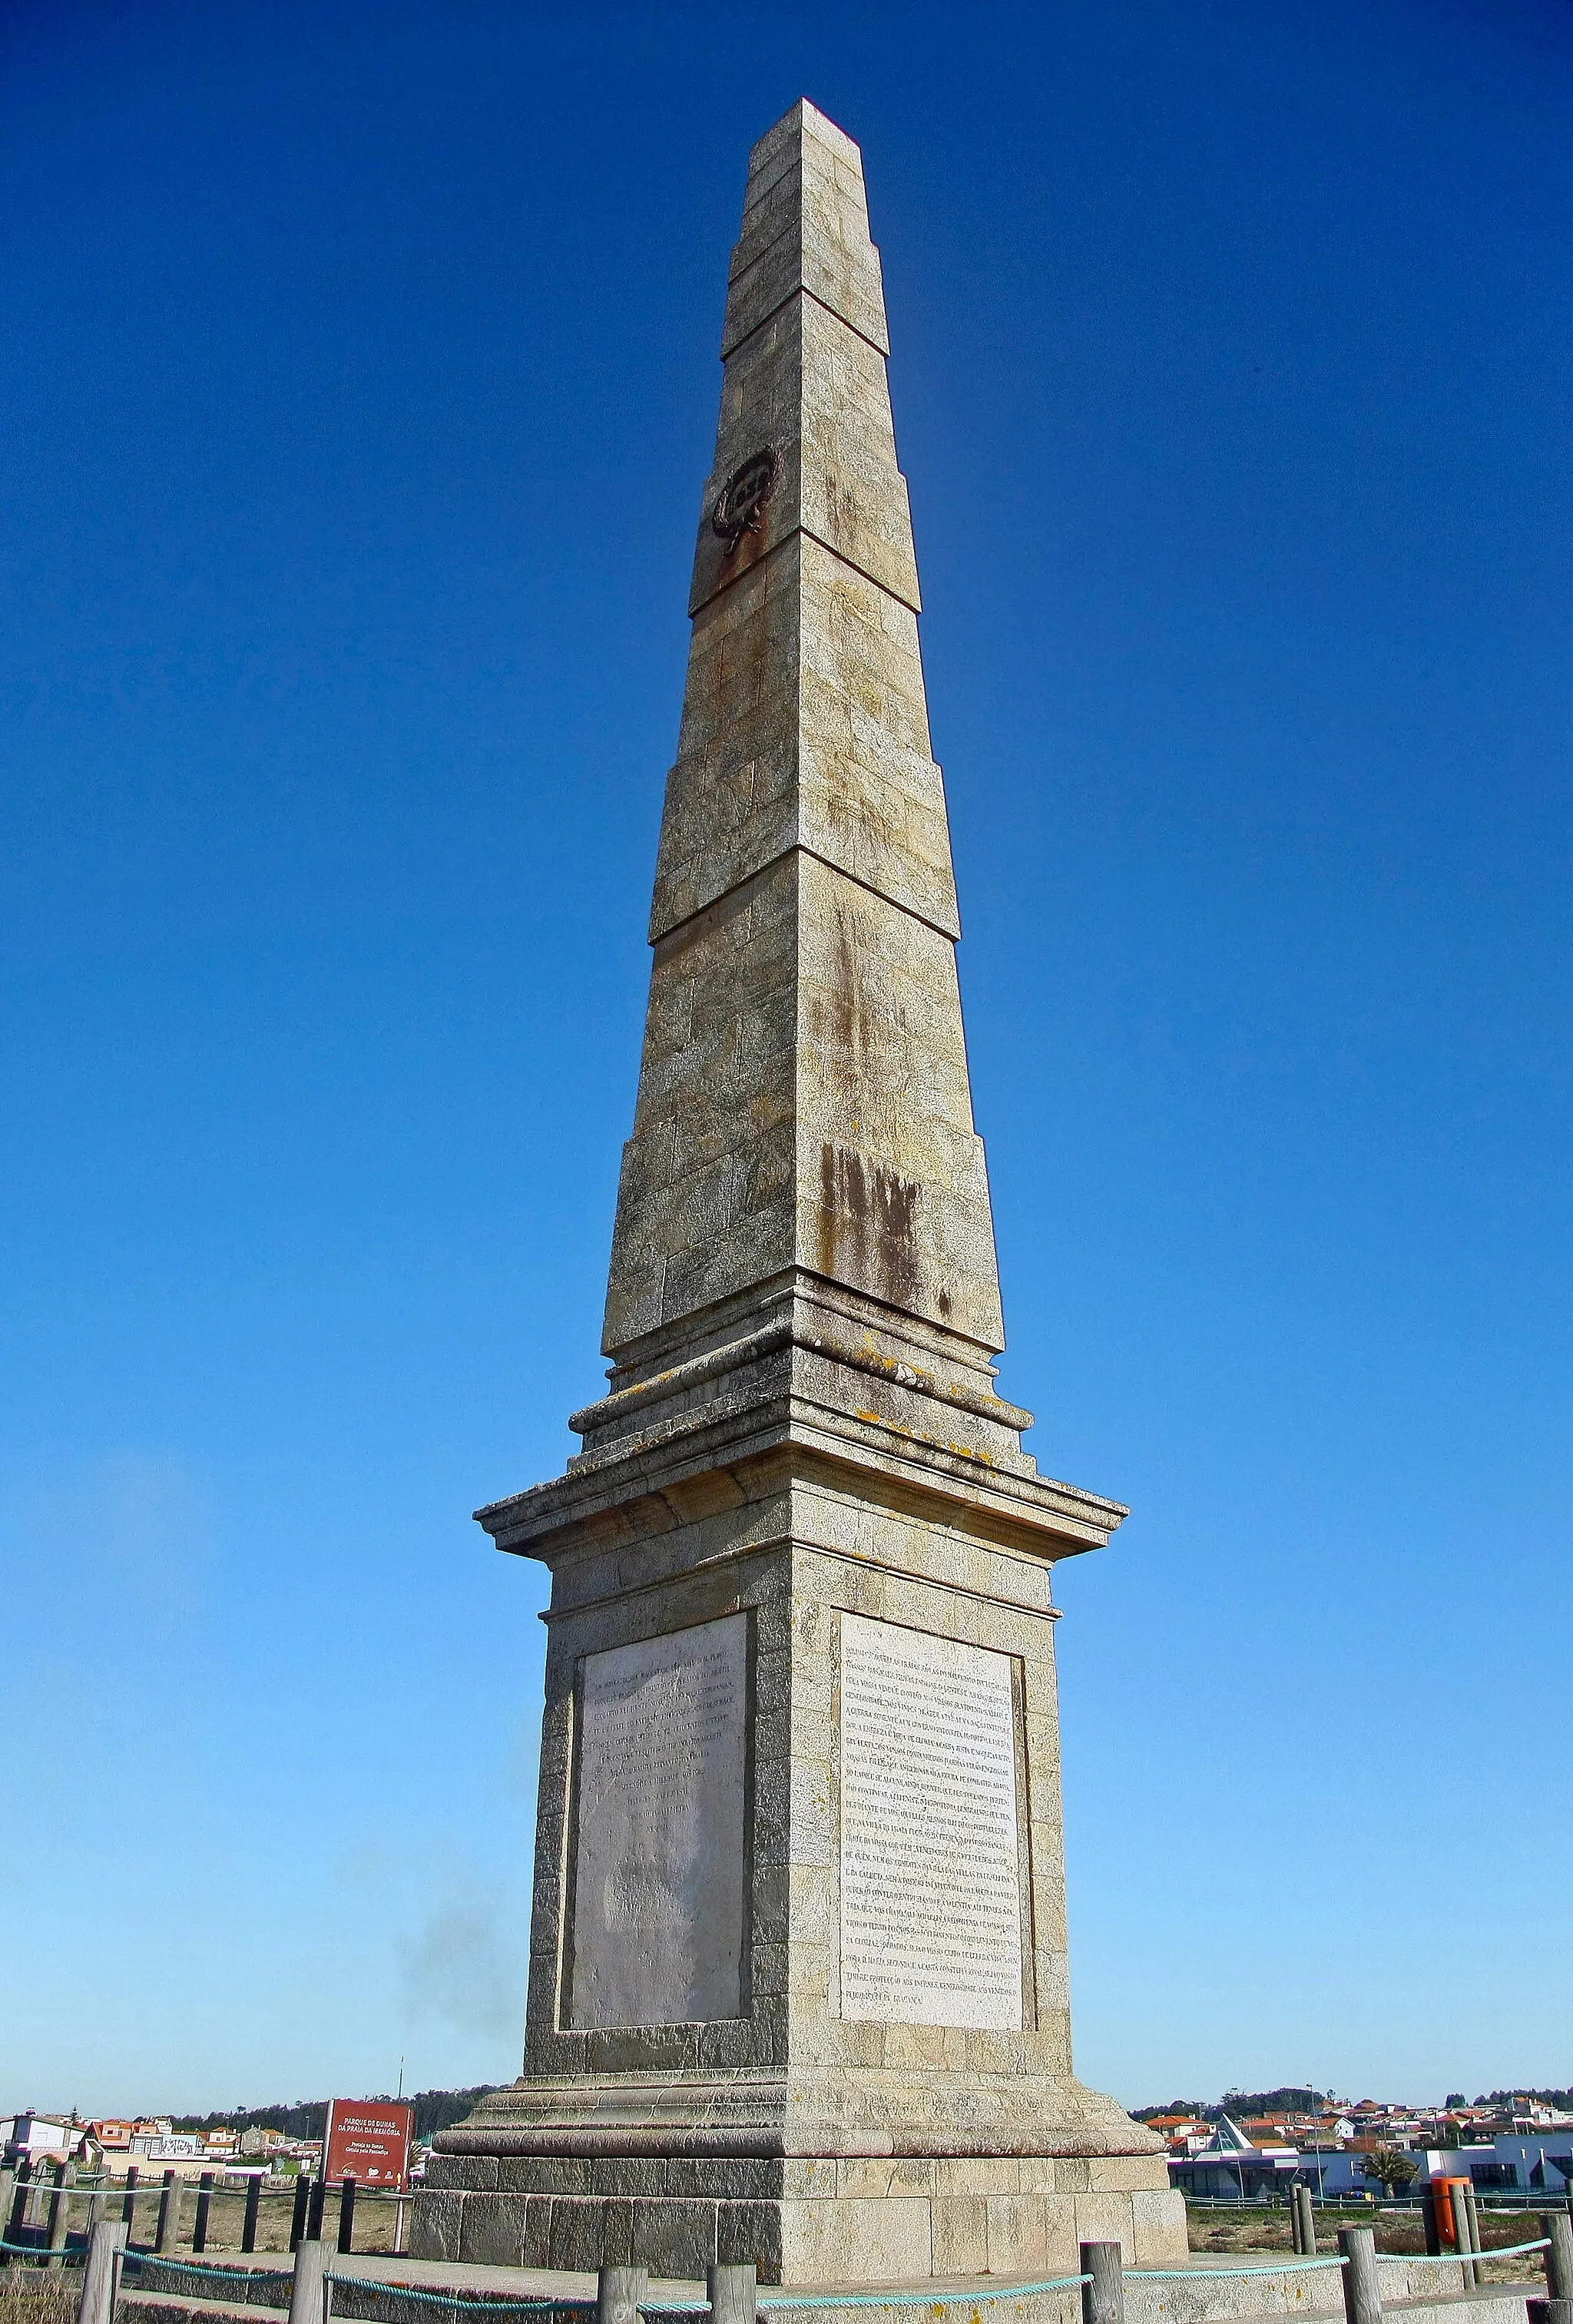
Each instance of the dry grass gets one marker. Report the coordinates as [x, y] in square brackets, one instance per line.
[374, 2230]
[374, 2219]
[1260, 2228]
[28, 2295]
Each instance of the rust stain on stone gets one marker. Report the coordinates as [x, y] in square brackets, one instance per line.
[867, 1220]
[846, 1021]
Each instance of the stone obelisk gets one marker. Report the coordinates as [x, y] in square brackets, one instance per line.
[798, 1987]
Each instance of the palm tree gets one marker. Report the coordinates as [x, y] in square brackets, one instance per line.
[1391, 2167]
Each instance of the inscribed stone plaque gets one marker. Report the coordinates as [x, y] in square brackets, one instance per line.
[931, 1883]
[659, 1868]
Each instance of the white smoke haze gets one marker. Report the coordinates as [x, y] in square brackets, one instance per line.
[465, 1968]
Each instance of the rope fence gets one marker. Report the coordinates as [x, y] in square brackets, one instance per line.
[918, 2300]
[733, 2295]
[233, 2275]
[540, 2303]
[1451, 2259]
[544, 2303]
[547, 2304]
[1191, 2274]
[807, 2301]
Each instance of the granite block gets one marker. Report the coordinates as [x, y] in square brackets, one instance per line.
[960, 2233]
[435, 2225]
[577, 2232]
[491, 2230]
[676, 2237]
[751, 2231]
[1017, 2234]
[538, 2230]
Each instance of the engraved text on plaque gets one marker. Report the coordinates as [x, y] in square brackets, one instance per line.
[931, 1886]
[659, 1840]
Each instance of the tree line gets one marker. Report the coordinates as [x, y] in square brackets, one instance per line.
[434, 2110]
[1239, 2102]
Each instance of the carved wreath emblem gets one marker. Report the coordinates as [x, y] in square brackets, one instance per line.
[740, 506]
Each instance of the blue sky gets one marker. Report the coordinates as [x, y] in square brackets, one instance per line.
[358, 378]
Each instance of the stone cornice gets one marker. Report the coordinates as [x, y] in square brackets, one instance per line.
[1037, 1516]
[786, 1331]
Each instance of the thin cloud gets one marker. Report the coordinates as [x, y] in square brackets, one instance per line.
[466, 1968]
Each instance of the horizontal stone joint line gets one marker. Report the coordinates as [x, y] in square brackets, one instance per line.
[801, 847]
[791, 223]
[802, 290]
[732, 574]
[863, 1560]
[805, 2141]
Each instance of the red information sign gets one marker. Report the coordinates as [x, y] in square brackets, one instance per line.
[368, 2141]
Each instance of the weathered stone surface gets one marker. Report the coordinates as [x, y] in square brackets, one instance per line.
[803, 1096]
[437, 2216]
[802, 1452]
[675, 2237]
[657, 1934]
[490, 2231]
[931, 1924]
[806, 227]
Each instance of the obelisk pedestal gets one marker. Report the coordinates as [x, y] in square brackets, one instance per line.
[798, 1987]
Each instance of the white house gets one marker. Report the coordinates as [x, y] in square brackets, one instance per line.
[168, 2146]
[38, 2134]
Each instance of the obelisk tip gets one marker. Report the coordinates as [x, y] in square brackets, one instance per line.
[800, 121]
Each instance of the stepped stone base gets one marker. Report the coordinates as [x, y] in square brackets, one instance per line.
[801, 2220]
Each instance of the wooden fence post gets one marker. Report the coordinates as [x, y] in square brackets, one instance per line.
[59, 2217]
[1557, 2227]
[128, 2208]
[618, 2293]
[298, 2217]
[101, 2273]
[1362, 2284]
[733, 2292]
[310, 2292]
[1433, 2233]
[1302, 2220]
[248, 2233]
[21, 2199]
[169, 2199]
[1468, 2220]
[204, 2199]
[347, 2211]
[1103, 2299]
[314, 2210]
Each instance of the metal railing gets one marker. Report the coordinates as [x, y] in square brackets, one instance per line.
[36, 2208]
